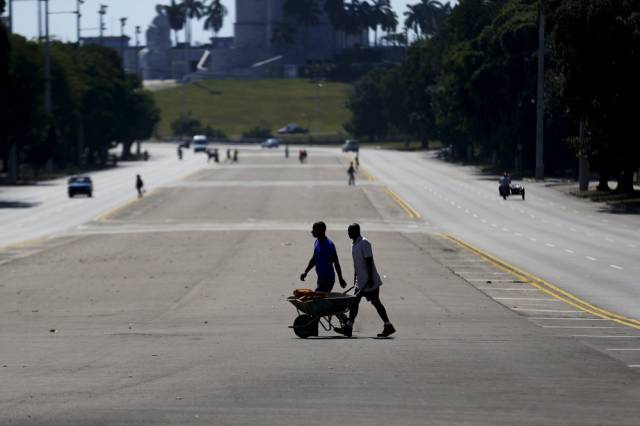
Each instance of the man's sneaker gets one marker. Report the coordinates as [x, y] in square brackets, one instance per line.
[347, 330]
[387, 331]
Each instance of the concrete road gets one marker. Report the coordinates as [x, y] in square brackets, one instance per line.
[172, 310]
[577, 245]
[29, 212]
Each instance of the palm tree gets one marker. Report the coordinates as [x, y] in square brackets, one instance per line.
[192, 9]
[177, 17]
[214, 17]
[306, 12]
[424, 18]
[336, 14]
[283, 33]
[383, 16]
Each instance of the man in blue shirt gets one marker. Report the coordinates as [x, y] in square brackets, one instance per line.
[325, 258]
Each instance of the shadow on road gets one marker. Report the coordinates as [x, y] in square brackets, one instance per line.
[16, 205]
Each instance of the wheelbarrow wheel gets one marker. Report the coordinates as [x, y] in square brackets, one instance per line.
[304, 326]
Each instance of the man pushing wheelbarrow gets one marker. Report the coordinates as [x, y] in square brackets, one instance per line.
[320, 306]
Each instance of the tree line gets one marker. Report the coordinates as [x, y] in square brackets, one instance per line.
[471, 84]
[95, 105]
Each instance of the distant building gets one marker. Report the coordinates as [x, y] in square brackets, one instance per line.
[266, 43]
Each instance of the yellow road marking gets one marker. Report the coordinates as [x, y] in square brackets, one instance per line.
[548, 288]
[411, 212]
[366, 174]
[23, 244]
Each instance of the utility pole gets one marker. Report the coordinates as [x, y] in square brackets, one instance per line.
[123, 23]
[10, 10]
[102, 12]
[138, 31]
[79, 20]
[540, 101]
[47, 60]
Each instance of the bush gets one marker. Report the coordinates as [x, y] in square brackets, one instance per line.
[257, 132]
[212, 133]
[186, 125]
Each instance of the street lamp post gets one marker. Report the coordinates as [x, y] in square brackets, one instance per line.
[540, 101]
[47, 60]
[123, 23]
[78, 20]
[10, 10]
[102, 12]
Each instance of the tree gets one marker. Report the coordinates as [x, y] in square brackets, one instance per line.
[425, 18]
[177, 17]
[306, 12]
[5, 53]
[214, 17]
[599, 74]
[193, 9]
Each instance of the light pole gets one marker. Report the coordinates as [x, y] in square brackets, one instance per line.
[102, 12]
[123, 23]
[47, 60]
[10, 10]
[540, 101]
[78, 19]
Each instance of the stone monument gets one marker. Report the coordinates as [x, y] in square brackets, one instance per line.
[155, 59]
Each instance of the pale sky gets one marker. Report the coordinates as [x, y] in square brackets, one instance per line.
[138, 12]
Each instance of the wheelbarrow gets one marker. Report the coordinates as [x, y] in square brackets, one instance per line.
[320, 311]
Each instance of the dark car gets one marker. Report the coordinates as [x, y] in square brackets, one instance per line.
[291, 129]
[80, 185]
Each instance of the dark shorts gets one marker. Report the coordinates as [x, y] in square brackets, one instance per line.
[371, 296]
[325, 285]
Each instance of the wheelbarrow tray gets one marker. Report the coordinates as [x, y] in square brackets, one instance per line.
[334, 304]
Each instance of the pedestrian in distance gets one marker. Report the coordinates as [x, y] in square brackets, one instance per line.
[228, 155]
[357, 162]
[235, 155]
[351, 171]
[367, 282]
[179, 153]
[139, 186]
[286, 150]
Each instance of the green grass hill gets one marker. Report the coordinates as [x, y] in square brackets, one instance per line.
[235, 106]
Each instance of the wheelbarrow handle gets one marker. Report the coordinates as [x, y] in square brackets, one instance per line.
[349, 289]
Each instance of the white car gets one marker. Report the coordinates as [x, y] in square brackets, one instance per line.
[200, 143]
[271, 143]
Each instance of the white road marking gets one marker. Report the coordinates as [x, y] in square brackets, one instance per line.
[548, 310]
[609, 239]
[484, 220]
[596, 336]
[507, 289]
[633, 365]
[532, 239]
[593, 259]
[475, 216]
[623, 349]
[526, 298]
[576, 326]
[549, 245]
[517, 234]
[573, 230]
[569, 251]
[619, 268]
[505, 229]
[568, 319]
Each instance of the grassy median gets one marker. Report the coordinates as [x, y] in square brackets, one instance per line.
[235, 106]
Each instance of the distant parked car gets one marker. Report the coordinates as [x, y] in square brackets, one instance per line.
[80, 185]
[200, 143]
[270, 143]
[291, 129]
[351, 145]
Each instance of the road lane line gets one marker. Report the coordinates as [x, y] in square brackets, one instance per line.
[619, 268]
[623, 349]
[593, 259]
[557, 311]
[366, 173]
[597, 336]
[578, 326]
[548, 288]
[569, 251]
[567, 319]
[411, 212]
[549, 245]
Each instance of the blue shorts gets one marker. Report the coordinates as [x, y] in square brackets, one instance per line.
[325, 285]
